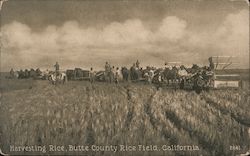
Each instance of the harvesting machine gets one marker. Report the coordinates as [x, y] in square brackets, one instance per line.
[224, 77]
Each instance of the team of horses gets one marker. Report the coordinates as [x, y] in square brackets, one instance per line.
[133, 74]
[196, 78]
[25, 74]
[52, 76]
[150, 74]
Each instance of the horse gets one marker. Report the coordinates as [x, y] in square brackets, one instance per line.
[21, 74]
[125, 73]
[32, 73]
[39, 72]
[135, 73]
[193, 69]
[55, 79]
[26, 73]
[171, 75]
[108, 76]
[158, 76]
[16, 75]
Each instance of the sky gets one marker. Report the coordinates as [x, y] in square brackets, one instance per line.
[87, 33]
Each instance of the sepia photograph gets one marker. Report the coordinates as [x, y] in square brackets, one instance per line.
[124, 77]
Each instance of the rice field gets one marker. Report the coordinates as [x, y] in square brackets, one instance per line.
[80, 113]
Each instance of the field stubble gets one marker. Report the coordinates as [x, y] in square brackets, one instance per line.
[79, 113]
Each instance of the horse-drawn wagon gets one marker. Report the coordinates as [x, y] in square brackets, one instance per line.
[77, 74]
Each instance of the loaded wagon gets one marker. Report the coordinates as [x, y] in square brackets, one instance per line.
[77, 74]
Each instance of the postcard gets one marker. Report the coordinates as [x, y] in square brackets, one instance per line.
[124, 77]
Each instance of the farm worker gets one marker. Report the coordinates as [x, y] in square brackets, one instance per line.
[160, 76]
[211, 63]
[57, 68]
[107, 73]
[209, 71]
[26, 73]
[146, 75]
[46, 74]
[92, 75]
[11, 73]
[21, 74]
[151, 75]
[134, 66]
[113, 71]
[117, 72]
[209, 75]
[107, 67]
[170, 67]
[38, 71]
[137, 64]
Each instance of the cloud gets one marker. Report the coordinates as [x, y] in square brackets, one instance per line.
[129, 32]
[232, 37]
[122, 43]
[235, 30]
[16, 35]
[172, 28]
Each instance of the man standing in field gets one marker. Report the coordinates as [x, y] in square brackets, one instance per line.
[46, 74]
[107, 67]
[211, 63]
[56, 68]
[117, 73]
[137, 64]
[107, 72]
[12, 73]
[91, 75]
[151, 75]
[113, 71]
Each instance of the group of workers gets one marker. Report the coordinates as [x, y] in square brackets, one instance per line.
[113, 74]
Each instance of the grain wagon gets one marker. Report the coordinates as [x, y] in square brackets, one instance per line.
[77, 74]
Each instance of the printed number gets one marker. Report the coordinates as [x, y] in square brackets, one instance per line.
[235, 148]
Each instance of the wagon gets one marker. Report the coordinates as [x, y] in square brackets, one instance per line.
[77, 74]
